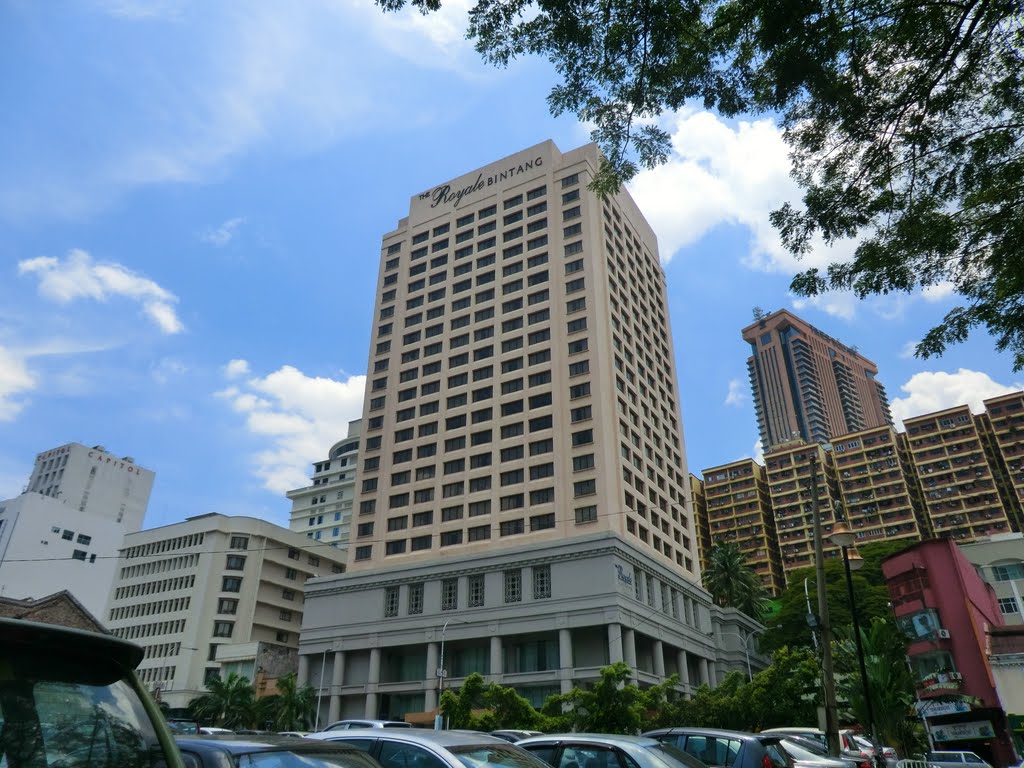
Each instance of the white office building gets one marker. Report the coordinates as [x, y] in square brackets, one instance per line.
[186, 590]
[65, 530]
[523, 507]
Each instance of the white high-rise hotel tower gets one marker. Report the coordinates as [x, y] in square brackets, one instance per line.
[522, 507]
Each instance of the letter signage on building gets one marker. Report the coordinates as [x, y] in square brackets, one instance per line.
[976, 729]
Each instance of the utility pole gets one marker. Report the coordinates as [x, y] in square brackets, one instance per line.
[824, 626]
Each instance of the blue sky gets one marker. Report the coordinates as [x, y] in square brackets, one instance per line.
[191, 209]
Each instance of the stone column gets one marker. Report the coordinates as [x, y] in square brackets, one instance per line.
[497, 667]
[684, 669]
[659, 660]
[565, 661]
[629, 651]
[303, 676]
[372, 679]
[337, 681]
[705, 672]
[614, 643]
[430, 699]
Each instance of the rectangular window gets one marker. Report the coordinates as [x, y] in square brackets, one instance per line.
[227, 605]
[396, 547]
[582, 463]
[235, 563]
[479, 533]
[451, 513]
[475, 586]
[239, 542]
[513, 586]
[223, 628]
[542, 522]
[477, 508]
[415, 599]
[541, 582]
[449, 594]
[390, 601]
[586, 514]
[231, 584]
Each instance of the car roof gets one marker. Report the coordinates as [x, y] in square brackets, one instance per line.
[95, 658]
[705, 732]
[412, 735]
[604, 738]
[242, 744]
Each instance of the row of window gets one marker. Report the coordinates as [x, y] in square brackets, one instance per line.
[167, 545]
[470, 591]
[151, 587]
[148, 609]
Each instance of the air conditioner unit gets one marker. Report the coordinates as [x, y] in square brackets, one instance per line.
[942, 634]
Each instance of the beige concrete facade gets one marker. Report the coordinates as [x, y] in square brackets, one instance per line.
[1000, 561]
[183, 590]
[522, 384]
[1006, 415]
[807, 384]
[951, 456]
[739, 510]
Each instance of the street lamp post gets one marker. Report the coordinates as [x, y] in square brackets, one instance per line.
[824, 626]
[843, 537]
[438, 719]
[746, 648]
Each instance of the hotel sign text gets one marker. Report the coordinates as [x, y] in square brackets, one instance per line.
[446, 195]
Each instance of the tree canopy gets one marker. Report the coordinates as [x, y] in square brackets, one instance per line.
[904, 119]
[732, 582]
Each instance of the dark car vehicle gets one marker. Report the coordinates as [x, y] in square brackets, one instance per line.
[70, 699]
[605, 750]
[269, 752]
[725, 749]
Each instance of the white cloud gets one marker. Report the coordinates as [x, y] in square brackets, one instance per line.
[737, 394]
[939, 291]
[166, 369]
[931, 391]
[759, 452]
[79, 277]
[236, 368]
[223, 234]
[299, 417]
[842, 304]
[15, 381]
[721, 173]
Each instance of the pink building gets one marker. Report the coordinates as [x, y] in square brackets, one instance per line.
[946, 611]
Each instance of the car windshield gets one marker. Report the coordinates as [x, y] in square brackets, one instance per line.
[491, 755]
[811, 745]
[299, 759]
[673, 756]
[798, 751]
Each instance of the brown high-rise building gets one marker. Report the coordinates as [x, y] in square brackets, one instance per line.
[807, 384]
[739, 510]
[700, 520]
[1006, 414]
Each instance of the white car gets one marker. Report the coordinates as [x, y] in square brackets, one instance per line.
[346, 725]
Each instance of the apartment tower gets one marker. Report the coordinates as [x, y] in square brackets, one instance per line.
[807, 384]
[523, 508]
[522, 382]
[739, 510]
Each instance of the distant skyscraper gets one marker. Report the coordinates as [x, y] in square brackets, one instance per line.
[323, 509]
[807, 384]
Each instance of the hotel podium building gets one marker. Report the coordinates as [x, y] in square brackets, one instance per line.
[523, 506]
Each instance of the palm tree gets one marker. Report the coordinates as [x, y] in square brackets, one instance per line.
[732, 582]
[229, 703]
[294, 706]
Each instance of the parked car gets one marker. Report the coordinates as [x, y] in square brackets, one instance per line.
[851, 745]
[270, 751]
[724, 749]
[210, 730]
[420, 748]
[803, 753]
[599, 750]
[955, 759]
[344, 725]
[803, 732]
[71, 698]
[513, 735]
[859, 745]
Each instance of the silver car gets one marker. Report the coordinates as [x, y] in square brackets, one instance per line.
[345, 725]
[420, 748]
[600, 750]
[955, 759]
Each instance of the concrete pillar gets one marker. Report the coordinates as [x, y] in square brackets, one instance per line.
[303, 676]
[565, 661]
[705, 671]
[372, 679]
[337, 681]
[614, 643]
[659, 660]
[684, 668]
[430, 699]
[629, 650]
[497, 668]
